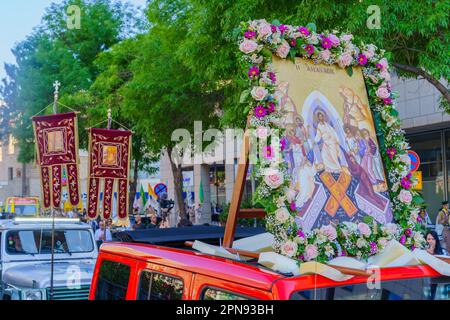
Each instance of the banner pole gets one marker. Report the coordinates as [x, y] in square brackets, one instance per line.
[56, 85]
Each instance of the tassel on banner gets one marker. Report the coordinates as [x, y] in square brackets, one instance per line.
[122, 199]
[45, 184]
[72, 177]
[107, 198]
[56, 185]
[93, 197]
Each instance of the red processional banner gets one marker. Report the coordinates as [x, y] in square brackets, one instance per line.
[56, 139]
[109, 164]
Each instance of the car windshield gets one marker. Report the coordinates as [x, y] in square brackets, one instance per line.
[24, 210]
[40, 241]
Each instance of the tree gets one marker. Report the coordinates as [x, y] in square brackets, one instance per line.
[106, 93]
[55, 52]
[163, 95]
[414, 33]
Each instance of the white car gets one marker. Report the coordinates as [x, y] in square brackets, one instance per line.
[25, 259]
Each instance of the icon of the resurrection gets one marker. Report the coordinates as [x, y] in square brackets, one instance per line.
[332, 151]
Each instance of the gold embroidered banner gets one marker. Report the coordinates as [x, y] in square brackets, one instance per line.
[56, 139]
[109, 164]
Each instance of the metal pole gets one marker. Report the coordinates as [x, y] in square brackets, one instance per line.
[56, 85]
[104, 220]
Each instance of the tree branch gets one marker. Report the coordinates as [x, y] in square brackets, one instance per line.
[418, 71]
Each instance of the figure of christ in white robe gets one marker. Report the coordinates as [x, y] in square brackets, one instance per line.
[306, 177]
[330, 150]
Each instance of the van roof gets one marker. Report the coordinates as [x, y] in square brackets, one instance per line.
[241, 272]
[231, 270]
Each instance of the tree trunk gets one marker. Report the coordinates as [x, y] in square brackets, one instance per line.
[133, 186]
[178, 184]
[418, 71]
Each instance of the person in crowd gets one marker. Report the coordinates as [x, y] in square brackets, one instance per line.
[433, 243]
[198, 213]
[84, 217]
[103, 234]
[164, 223]
[191, 214]
[443, 224]
[154, 223]
[184, 223]
[139, 225]
[425, 218]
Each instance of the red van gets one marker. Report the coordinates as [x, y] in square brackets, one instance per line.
[132, 271]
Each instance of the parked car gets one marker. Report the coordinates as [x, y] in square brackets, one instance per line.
[135, 271]
[25, 257]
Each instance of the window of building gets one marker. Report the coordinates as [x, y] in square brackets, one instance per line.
[157, 286]
[429, 146]
[218, 294]
[10, 173]
[112, 281]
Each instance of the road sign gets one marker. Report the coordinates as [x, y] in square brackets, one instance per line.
[160, 188]
[415, 160]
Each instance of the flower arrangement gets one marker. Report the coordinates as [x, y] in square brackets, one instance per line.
[259, 40]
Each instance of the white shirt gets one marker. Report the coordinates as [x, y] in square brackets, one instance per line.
[99, 233]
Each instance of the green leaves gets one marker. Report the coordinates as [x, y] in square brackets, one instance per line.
[244, 96]
[312, 26]
[349, 70]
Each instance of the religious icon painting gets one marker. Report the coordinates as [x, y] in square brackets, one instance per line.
[56, 139]
[332, 151]
[109, 162]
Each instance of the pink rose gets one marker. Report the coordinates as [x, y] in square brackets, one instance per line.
[283, 49]
[368, 54]
[311, 252]
[289, 248]
[273, 178]
[334, 40]
[385, 75]
[364, 229]
[383, 92]
[248, 46]
[329, 231]
[383, 63]
[346, 37]
[264, 30]
[405, 196]
[259, 93]
[325, 54]
[345, 60]
[262, 132]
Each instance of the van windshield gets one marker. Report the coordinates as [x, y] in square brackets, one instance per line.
[40, 241]
[24, 210]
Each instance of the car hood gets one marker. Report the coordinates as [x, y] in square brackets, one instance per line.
[38, 274]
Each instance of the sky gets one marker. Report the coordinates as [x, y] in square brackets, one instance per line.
[17, 20]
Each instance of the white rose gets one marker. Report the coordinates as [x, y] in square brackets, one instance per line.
[259, 93]
[289, 248]
[248, 46]
[264, 29]
[361, 243]
[282, 215]
[273, 178]
[283, 49]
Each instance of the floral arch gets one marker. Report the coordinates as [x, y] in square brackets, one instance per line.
[259, 41]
